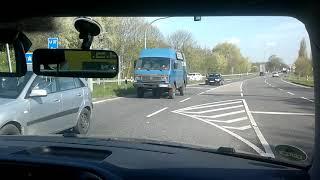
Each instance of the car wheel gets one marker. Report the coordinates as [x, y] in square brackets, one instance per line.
[172, 93]
[83, 123]
[140, 92]
[10, 129]
[182, 89]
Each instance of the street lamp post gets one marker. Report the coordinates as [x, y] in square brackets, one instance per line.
[145, 31]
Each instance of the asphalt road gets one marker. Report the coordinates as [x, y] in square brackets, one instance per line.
[252, 115]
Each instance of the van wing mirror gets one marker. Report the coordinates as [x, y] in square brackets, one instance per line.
[75, 63]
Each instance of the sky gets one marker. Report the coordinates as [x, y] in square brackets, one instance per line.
[257, 37]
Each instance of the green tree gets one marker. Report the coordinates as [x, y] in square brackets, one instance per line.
[274, 63]
[303, 63]
[233, 56]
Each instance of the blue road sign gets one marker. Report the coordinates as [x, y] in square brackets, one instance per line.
[53, 43]
[29, 58]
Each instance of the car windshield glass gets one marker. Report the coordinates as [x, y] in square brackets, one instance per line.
[214, 75]
[11, 87]
[153, 63]
[199, 83]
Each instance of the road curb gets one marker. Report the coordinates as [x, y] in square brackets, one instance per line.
[295, 84]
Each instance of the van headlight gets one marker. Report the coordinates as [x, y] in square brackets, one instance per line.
[165, 78]
[138, 78]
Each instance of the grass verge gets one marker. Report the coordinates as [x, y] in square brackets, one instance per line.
[300, 80]
[112, 89]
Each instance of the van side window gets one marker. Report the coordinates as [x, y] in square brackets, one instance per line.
[45, 82]
[66, 83]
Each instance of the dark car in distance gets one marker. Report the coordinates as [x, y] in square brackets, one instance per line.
[214, 79]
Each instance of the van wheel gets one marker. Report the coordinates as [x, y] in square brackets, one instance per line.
[172, 93]
[182, 89]
[140, 92]
[83, 123]
[9, 129]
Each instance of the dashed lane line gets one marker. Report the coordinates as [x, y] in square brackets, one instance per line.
[152, 114]
[241, 94]
[185, 99]
[290, 93]
[307, 99]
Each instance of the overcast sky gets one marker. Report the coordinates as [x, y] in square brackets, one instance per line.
[257, 37]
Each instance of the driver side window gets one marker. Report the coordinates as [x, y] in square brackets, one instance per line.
[44, 82]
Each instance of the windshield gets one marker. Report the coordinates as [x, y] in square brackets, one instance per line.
[214, 75]
[152, 63]
[249, 109]
[11, 87]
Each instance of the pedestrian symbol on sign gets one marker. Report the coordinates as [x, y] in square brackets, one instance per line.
[53, 43]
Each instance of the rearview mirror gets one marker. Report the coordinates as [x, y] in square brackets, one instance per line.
[75, 63]
[38, 93]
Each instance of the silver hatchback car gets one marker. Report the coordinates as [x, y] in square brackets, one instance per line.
[36, 105]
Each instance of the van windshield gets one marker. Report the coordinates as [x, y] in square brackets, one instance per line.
[11, 87]
[153, 63]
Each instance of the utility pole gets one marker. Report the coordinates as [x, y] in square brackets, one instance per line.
[8, 57]
[145, 31]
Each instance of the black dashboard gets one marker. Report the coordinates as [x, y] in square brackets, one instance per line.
[23, 157]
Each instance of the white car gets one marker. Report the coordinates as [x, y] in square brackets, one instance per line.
[275, 74]
[194, 76]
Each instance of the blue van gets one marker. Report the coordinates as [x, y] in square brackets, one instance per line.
[160, 70]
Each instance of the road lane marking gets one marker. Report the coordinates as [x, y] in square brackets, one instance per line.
[152, 114]
[213, 110]
[307, 99]
[221, 115]
[280, 89]
[211, 89]
[241, 94]
[214, 104]
[295, 84]
[282, 113]
[231, 120]
[290, 93]
[238, 128]
[253, 146]
[272, 86]
[105, 100]
[265, 81]
[241, 86]
[263, 141]
[185, 99]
